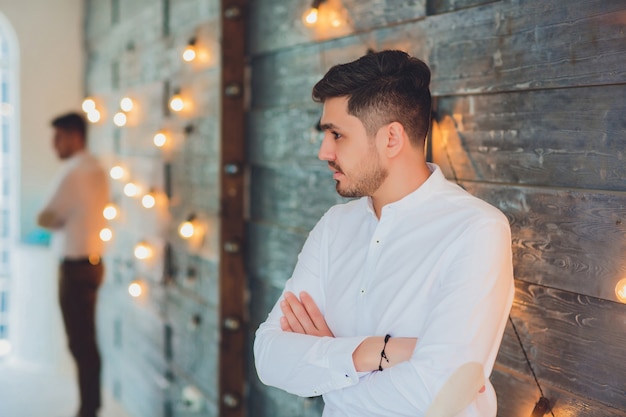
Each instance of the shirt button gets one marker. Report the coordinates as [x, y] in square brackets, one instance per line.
[362, 291]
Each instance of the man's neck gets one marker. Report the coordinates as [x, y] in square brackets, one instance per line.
[398, 185]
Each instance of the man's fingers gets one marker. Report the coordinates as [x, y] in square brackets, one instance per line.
[290, 316]
[318, 320]
[284, 325]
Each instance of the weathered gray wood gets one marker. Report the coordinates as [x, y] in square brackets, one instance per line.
[278, 24]
[296, 201]
[275, 254]
[575, 343]
[445, 6]
[518, 394]
[573, 240]
[194, 343]
[502, 46]
[559, 138]
[284, 135]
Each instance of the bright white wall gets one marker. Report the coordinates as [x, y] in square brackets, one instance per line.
[49, 34]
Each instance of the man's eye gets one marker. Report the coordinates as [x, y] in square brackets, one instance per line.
[336, 135]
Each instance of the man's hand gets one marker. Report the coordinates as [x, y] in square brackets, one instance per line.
[303, 316]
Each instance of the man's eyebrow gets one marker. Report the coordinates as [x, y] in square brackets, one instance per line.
[327, 126]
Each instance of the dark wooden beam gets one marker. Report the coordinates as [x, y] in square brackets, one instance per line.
[233, 317]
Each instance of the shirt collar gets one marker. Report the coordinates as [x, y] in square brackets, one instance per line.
[414, 198]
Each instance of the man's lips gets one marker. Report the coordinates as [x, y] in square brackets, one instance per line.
[336, 171]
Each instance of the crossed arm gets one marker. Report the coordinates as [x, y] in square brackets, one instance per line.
[304, 317]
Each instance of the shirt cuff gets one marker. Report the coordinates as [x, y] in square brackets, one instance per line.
[339, 354]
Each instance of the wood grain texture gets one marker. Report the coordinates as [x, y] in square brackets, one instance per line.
[517, 395]
[295, 201]
[503, 46]
[559, 138]
[575, 343]
[572, 240]
[444, 6]
[278, 24]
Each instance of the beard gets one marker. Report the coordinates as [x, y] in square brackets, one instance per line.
[366, 180]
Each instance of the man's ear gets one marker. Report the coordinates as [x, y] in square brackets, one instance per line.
[396, 139]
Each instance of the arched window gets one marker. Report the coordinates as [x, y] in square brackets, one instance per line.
[8, 170]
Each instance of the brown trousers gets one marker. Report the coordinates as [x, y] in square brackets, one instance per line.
[78, 288]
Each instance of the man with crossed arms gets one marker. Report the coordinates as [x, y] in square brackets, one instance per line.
[396, 292]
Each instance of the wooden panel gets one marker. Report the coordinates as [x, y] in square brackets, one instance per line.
[232, 276]
[502, 46]
[510, 46]
[573, 240]
[285, 135]
[295, 201]
[560, 138]
[278, 24]
[518, 394]
[575, 343]
[445, 6]
[275, 254]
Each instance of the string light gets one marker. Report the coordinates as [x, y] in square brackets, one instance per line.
[93, 116]
[160, 139]
[110, 211]
[186, 229]
[131, 189]
[120, 119]
[142, 251]
[620, 290]
[176, 102]
[117, 172]
[89, 107]
[126, 104]
[148, 200]
[311, 16]
[190, 53]
[106, 234]
[135, 289]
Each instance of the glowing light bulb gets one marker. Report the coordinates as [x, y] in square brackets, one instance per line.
[120, 119]
[110, 212]
[117, 172]
[160, 139]
[135, 289]
[93, 116]
[88, 105]
[189, 54]
[310, 16]
[126, 104]
[177, 103]
[335, 19]
[186, 229]
[5, 347]
[131, 189]
[620, 290]
[143, 251]
[148, 201]
[106, 234]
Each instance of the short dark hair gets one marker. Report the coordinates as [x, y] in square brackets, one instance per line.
[382, 87]
[72, 122]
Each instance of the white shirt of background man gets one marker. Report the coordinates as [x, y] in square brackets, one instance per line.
[76, 201]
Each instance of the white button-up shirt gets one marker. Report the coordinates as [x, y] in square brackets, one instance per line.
[436, 266]
[77, 198]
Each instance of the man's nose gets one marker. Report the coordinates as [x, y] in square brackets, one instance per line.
[327, 149]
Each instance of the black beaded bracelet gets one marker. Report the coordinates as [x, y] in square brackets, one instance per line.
[383, 355]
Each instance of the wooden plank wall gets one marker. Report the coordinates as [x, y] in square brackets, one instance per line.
[530, 116]
[161, 349]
